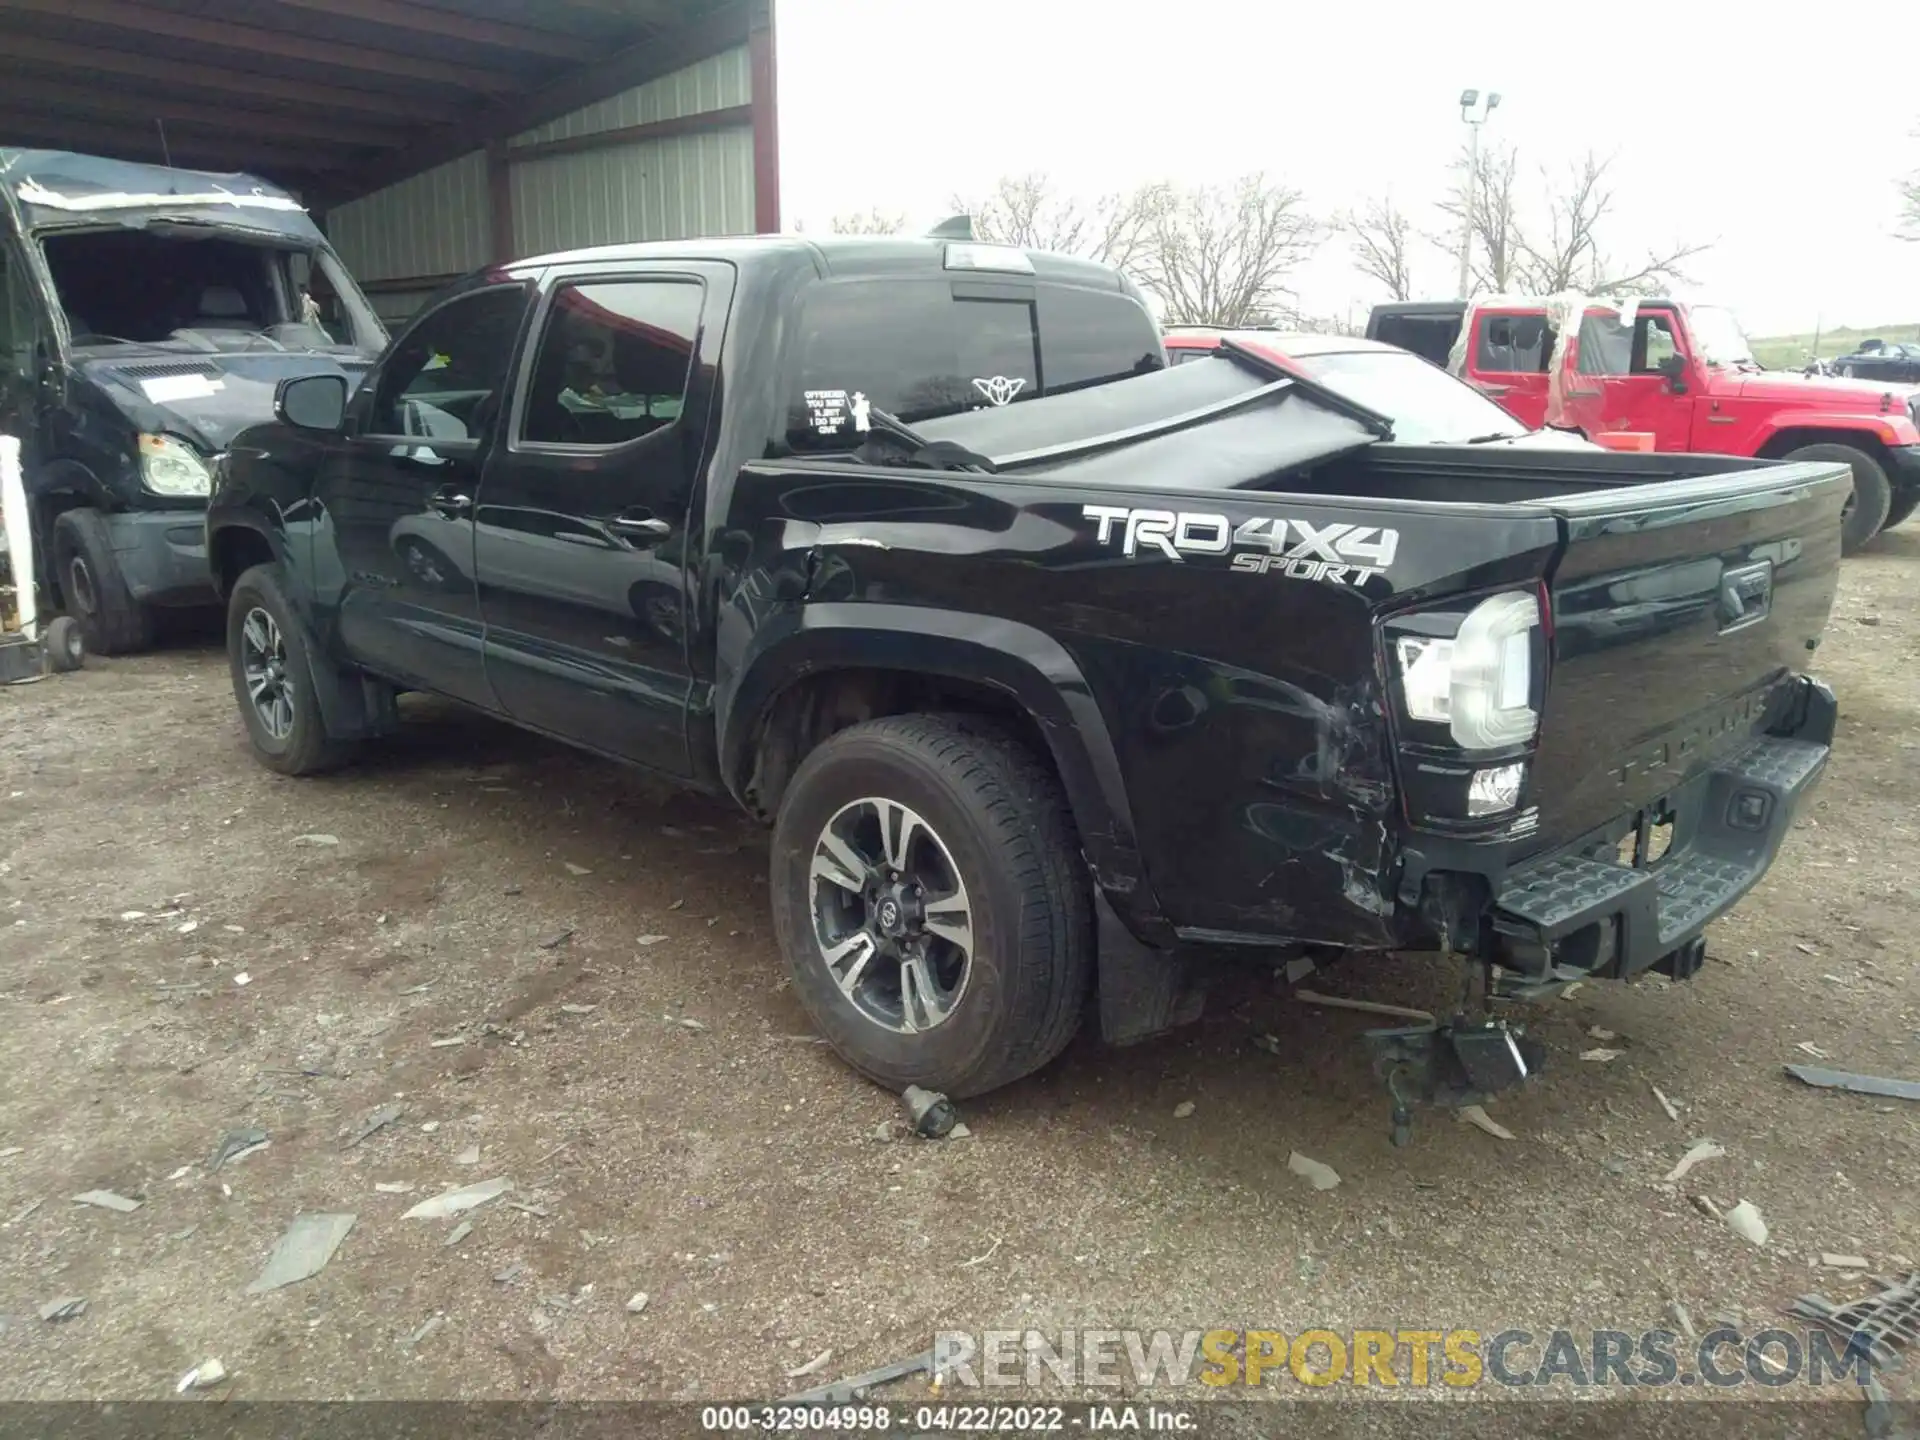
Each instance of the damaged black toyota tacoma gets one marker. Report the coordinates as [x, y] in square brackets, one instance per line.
[1049, 667]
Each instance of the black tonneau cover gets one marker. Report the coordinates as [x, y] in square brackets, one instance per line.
[1225, 423]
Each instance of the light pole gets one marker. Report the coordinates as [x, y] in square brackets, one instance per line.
[1469, 101]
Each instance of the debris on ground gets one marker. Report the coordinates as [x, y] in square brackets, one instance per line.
[509, 1275]
[1889, 1321]
[457, 1234]
[1602, 1034]
[1297, 969]
[1858, 1084]
[303, 1251]
[1812, 1049]
[573, 869]
[1183, 1110]
[855, 1387]
[649, 939]
[107, 1200]
[1704, 1204]
[984, 1257]
[378, 1120]
[1682, 1319]
[812, 1367]
[960, 1131]
[1673, 1111]
[1477, 1117]
[316, 839]
[420, 1335]
[555, 941]
[1744, 1220]
[1705, 1150]
[685, 1022]
[929, 1113]
[1365, 1007]
[11, 1151]
[578, 1009]
[243, 978]
[1843, 1262]
[236, 1145]
[69, 1307]
[429, 1127]
[1600, 1054]
[31, 1206]
[883, 1133]
[1268, 1043]
[447, 1042]
[394, 1187]
[204, 1376]
[452, 1202]
[468, 1156]
[1321, 1177]
[539, 1212]
[638, 1303]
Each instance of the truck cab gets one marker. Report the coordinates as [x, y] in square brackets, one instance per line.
[1674, 377]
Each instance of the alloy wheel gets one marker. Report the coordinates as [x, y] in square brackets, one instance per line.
[263, 660]
[891, 915]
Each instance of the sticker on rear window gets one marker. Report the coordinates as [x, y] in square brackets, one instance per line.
[827, 411]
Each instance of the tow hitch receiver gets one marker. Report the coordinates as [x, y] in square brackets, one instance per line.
[1459, 1063]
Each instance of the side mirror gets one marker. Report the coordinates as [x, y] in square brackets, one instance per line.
[1674, 367]
[312, 402]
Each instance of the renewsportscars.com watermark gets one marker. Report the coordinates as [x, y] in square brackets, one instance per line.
[1219, 1360]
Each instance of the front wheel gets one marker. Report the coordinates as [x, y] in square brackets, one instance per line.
[1905, 499]
[929, 899]
[271, 666]
[111, 621]
[1866, 509]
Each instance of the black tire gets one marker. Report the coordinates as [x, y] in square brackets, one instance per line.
[111, 621]
[1906, 499]
[304, 748]
[1002, 819]
[66, 647]
[1866, 511]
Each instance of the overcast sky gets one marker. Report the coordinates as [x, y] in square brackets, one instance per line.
[899, 104]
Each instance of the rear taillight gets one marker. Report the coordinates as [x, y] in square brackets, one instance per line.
[1479, 682]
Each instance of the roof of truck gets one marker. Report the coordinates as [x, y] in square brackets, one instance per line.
[59, 187]
[842, 255]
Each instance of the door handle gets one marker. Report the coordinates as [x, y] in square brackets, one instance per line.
[452, 505]
[648, 526]
[1486, 389]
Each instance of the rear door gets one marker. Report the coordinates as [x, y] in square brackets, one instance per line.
[1507, 357]
[580, 535]
[1678, 609]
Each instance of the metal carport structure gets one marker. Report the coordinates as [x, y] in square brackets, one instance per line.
[428, 136]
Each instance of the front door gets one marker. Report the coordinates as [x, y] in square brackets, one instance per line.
[400, 495]
[582, 529]
[1614, 381]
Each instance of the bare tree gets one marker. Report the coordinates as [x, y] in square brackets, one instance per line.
[869, 222]
[1496, 221]
[1567, 253]
[1028, 211]
[1221, 256]
[1381, 242]
[1910, 208]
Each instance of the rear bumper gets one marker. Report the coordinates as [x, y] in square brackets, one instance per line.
[1728, 823]
[163, 556]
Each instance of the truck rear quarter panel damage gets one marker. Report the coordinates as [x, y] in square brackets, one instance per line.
[1243, 712]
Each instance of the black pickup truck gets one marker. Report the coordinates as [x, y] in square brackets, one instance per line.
[1050, 667]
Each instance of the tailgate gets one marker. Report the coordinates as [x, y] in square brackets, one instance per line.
[1678, 609]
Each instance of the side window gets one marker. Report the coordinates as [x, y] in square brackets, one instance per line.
[998, 350]
[1652, 342]
[1606, 346]
[445, 376]
[613, 362]
[17, 330]
[1512, 345]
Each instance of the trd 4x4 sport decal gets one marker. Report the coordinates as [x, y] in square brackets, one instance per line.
[1338, 553]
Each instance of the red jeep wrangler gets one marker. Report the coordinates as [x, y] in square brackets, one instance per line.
[1672, 376]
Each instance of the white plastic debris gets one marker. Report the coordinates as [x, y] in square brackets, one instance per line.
[1475, 1116]
[1600, 1054]
[1705, 1150]
[649, 939]
[638, 1303]
[1844, 1262]
[468, 1156]
[573, 869]
[107, 1200]
[186, 927]
[204, 1376]
[1599, 1033]
[1812, 1049]
[578, 1009]
[133, 915]
[1744, 1220]
[393, 1187]
[1673, 1111]
[458, 1233]
[1183, 1110]
[812, 1367]
[11, 1151]
[453, 1202]
[316, 839]
[1321, 1177]
[243, 978]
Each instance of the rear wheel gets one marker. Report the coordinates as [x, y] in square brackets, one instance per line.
[111, 621]
[1866, 509]
[271, 666]
[929, 899]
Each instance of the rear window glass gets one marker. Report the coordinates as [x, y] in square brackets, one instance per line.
[918, 350]
[1513, 345]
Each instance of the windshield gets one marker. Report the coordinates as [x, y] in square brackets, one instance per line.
[196, 289]
[1425, 403]
[1718, 338]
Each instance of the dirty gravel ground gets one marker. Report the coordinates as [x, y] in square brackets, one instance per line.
[730, 1170]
